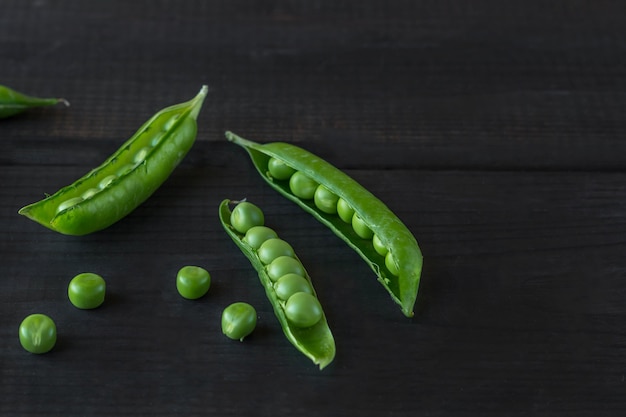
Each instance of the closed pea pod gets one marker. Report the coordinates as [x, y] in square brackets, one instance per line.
[13, 102]
[374, 217]
[308, 329]
[127, 178]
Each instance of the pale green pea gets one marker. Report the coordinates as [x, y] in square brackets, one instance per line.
[379, 247]
[361, 228]
[90, 193]
[325, 200]
[303, 309]
[302, 186]
[279, 170]
[256, 235]
[284, 265]
[106, 181]
[274, 248]
[141, 155]
[344, 211]
[238, 320]
[289, 284]
[391, 264]
[69, 203]
[246, 215]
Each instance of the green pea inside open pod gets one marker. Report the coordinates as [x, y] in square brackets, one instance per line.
[303, 309]
[87, 291]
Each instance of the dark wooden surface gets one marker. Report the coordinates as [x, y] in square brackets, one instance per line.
[496, 130]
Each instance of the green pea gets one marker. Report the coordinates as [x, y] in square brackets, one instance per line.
[303, 309]
[361, 228]
[69, 203]
[379, 247]
[289, 284]
[326, 200]
[246, 215]
[106, 181]
[86, 290]
[391, 265]
[192, 282]
[141, 155]
[38, 333]
[238, 320]
[302, 186]
[344, 211]
[90, 193]
[125, 170]
[279, 170]
[284, 265]
[273, 248]
[256, 235]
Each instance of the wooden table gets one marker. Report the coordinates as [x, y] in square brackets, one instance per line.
[495, 130]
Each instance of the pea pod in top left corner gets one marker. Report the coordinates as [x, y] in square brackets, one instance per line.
[127, 178]
[13, 102]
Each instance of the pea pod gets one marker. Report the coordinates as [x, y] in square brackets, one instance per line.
[314, 341]
[127, 178]
[13, 102]
[399, 269]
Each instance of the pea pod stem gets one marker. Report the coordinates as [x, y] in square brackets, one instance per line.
[315, 342]
[13, 102]
[389, 229]
[127, 178]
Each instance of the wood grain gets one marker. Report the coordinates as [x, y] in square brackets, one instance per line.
[493, 129]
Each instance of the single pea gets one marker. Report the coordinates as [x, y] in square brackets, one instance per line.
[246, 215]
[273, 248]
[38, 333]
[125, 169]
[360, 228]
[256, 235]
[284, 265]
[289, 284]
[86, 290]
[192, 282]
[90, 193]
[106, 181]
[325, 200]
[141, 155]
[379, 247]
[279, 170]
[238, 320]
[302, 186]
[344, 211]
[69, 203]
[390, 263]
[303, 309]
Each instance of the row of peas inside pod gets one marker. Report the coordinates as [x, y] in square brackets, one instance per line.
[328, 202]
[286, 272]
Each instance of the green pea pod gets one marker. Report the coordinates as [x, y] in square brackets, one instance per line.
[315, 342]
[401, 275]
[13, 102]
[127, 178]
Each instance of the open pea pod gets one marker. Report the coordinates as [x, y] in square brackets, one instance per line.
[127, 178]
[398, 264]
[316, 342]
[13, 102]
